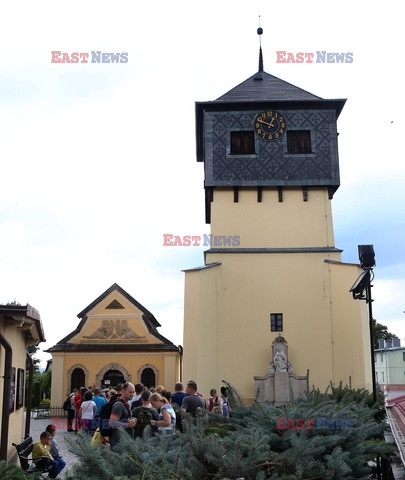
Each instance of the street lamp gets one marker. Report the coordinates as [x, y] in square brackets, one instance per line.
[361, 290]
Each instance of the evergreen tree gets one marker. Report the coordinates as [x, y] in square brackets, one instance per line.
[338, 441]
[14, 472]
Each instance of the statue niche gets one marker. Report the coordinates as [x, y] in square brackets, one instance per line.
[280, 385]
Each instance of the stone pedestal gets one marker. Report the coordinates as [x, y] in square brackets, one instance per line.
[280, 385]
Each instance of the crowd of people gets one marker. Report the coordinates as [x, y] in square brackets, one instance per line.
[101, 413]
[133, 407]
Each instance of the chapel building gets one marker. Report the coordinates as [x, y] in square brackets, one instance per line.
[116, 341]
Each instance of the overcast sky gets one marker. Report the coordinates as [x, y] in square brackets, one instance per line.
[98, 160]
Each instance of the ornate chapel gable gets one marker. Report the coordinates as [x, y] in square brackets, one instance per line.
[115, 319]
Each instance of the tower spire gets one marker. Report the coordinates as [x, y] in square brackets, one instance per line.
[259, 32]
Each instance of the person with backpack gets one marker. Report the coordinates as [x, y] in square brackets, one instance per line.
[69, 406]
[121, 416]
[100, 401]
[144, 414]
[214, 403]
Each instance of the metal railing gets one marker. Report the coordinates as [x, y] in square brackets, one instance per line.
[45, 410]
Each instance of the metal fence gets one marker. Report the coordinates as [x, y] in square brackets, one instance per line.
[46, 410]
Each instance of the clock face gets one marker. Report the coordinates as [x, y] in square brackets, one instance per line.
[270, 125]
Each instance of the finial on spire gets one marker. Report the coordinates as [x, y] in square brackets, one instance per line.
[259, 32]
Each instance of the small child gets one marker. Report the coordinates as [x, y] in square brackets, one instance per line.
[41, 455]
[54, 449]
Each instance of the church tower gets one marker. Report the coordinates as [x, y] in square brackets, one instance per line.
[271, 169]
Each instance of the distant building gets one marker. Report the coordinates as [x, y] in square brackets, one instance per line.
[116, 341]
[390, 367]
[20, 325]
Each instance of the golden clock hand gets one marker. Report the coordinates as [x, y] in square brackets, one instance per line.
[266, 123]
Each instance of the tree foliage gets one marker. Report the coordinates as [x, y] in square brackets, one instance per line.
[13, 472]
[32, 350]
[251, 445]
[381, 331]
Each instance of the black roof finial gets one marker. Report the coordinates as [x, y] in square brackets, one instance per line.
[259, 32]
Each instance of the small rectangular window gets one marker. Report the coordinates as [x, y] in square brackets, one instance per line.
[242, 143]
[299, 141]
[403, 356]
[276, 322]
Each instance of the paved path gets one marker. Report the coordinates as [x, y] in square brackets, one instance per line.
[38, 425]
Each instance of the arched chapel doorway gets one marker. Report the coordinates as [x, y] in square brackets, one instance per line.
[112, 378]
[77, 379]
[148, 377]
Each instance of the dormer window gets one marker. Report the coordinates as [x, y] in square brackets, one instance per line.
[242, 142]
[299, 141]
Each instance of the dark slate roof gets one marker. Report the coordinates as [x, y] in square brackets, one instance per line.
[263, 87]
[261, 91]
[113, 347]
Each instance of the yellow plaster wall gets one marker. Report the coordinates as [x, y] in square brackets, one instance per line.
[170, 373]
[201, 325]
[270, 223]
[165, 363]
[16, 339]
[59, 390]
[351, 336]
[227, 313]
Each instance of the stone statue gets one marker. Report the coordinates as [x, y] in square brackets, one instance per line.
[280, 385]
[280, 361]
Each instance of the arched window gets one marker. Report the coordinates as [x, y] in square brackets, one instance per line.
[77, 378]
[112, 378]
[148, 377]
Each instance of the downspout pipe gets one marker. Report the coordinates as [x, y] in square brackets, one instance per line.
[181, 362]
[5, 414]
[29, 397]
